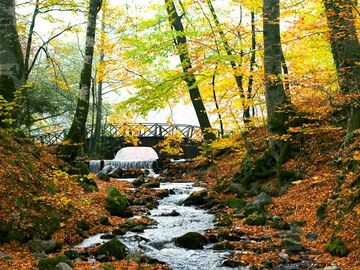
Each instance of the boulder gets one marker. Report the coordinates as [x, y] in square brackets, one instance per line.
[139, 181]
[72, 254]
[137, 257]
[224, 221]
[256, 219]
[280, 225]
[63, 266]
[191, 240]
[51, 263]
[116, 202]
[225, 245]
[113, 248]
[152, 184]
[292, 245]
[48, 246]
[232, 263]
[260, 200]
[173, 213]
[196, 198]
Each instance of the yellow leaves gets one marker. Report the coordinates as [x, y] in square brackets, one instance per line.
[171, 144]
[356, 155]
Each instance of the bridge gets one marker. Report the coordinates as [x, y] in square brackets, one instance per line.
[149, 134]
[140, 130]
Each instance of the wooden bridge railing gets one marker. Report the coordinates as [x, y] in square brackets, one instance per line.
[141, 130]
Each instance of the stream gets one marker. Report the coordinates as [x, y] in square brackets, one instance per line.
[156, 241]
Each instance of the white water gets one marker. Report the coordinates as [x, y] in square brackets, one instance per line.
[156, 242]
[129, 158]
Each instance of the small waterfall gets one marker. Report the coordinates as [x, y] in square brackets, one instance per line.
[130, 164]
[129, 158]
[95, 166]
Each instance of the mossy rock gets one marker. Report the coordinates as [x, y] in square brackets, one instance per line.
[116, 202]
[152, 184]
[225, 245]
[336, 247]
[140, 180]
[292, 245]
[235, 203]
[50, 263]
[113, 248]
[196, 198]
[191, 240]
[224, 221]
[48, 246]
[280, 225]
[256, 220]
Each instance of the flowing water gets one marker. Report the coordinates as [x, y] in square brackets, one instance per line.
[156, 241]
[128, 158]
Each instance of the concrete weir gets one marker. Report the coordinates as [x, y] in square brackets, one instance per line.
[128, 158]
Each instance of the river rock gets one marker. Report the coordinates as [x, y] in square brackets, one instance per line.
[311, 236]
[225, 245]
[104, 173]
[48, 246]
[152, 184]
[260, 200]
[5, 256]
[63, 266]
[173, 213]
[139, 181]
[292, 245]
[72, 254]
[232, 263]
[51, 263]
[191, 240]
[137, 257]
[116, 202]
[196, 198]
[113, 248]
[256, 219]
[283, 257]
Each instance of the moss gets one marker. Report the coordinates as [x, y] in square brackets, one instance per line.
[256, 220]
[191, 240]
[336, 247]
[113, 248]
[321, 211]
[116, 202]
[50, 263]
[225, 221]
[153, 184]
[235, 203]
[280, 225]
[196, 198]
[225, 245]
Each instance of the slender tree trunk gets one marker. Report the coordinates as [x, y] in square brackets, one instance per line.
[346, 52]
[285, 70]
[77, 131]
[252, 64]
[238, 77]
[275, 96]
[189, 77]
[12, 72]
[99, 103]
[29, 41]
[217, 103]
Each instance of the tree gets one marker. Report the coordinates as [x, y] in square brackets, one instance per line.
[275, 96]
[345, 48]
[12, 73]
[77, 130]
[180, 42]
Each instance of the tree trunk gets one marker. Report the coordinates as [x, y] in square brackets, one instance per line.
[252, 64]
[12, 73]
[217, 103]
[275, 96]
[189, 77]
[346, 52]
[99, 101]
[29, 41]
[77, 131]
